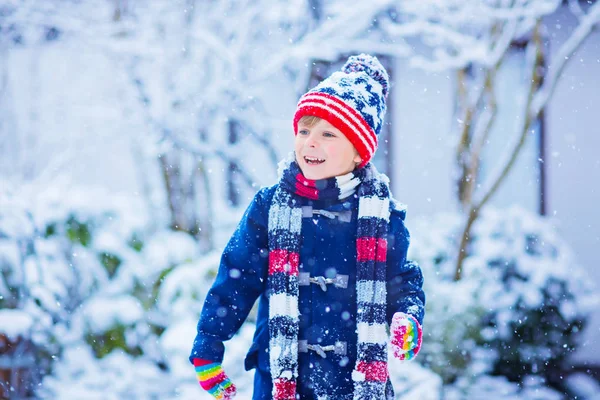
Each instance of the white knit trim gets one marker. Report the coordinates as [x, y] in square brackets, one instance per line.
[374, 206]
[282, 347]
[347, 184]
[344, 179]
[282, 304]
[284, 217]
[372, 333]
[351, 189]
[296, 220]
[371, 292]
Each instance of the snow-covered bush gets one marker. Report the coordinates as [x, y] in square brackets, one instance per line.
[81, 274]
[113, 323]
[80, 375]
[48, 268]
[16, 351]
[500, 388]
[34, 286]
[519, 306]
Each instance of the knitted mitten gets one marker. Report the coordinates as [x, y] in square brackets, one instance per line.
[406, 336]
[212, 378]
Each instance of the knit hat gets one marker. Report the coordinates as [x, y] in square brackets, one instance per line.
[352, 100]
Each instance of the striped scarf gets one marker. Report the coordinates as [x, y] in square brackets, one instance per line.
[285, 221]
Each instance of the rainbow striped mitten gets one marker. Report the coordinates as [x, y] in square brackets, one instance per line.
[406, 336]
[212, 378]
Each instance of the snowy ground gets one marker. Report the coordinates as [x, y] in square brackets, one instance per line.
[118, 376]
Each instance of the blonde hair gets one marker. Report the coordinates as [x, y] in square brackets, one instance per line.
[309, 120]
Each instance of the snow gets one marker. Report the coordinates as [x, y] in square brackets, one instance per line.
[180, 292]
[412, 381]
[166, 248]
[584, 385]
[104, 313]
[117, 376]
[15, 324]
[177, 82]
[358, 376]
[506, 279]
[497, 388]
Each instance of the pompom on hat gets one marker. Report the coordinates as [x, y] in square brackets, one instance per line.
[352, 100]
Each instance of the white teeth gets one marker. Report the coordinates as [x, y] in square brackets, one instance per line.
[313, 159]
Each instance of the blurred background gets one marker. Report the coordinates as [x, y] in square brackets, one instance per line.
[134, 133]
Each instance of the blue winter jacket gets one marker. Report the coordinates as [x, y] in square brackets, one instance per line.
[328, 317]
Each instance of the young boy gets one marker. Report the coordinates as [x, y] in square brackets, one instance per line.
[324, 250]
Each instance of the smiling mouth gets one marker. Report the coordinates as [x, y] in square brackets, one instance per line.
[313, 160]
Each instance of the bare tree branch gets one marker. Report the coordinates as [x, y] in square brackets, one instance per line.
[534, 57]
[481, 132]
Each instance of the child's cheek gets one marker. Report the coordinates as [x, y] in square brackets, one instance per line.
[332, 151]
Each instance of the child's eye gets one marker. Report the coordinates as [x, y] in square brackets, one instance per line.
[303, 132]
[328, 134]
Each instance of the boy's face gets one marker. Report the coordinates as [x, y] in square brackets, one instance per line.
[322, 151]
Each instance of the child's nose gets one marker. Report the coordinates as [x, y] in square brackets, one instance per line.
[311, 141]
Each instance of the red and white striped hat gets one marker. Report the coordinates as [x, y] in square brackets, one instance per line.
[352, 100]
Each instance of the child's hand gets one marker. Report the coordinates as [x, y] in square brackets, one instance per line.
[406, 336]
[213, 379]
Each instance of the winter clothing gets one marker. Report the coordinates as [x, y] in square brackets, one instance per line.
[213, 379]
[352, 100]
[328, 290]
[406, 335]
[327, 261]
[285, 222]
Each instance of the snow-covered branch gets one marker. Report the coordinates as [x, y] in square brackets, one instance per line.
[575, 8]
[539, 95]
[586, 25]
[207, 150]
[337, 36]
[458, 34]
